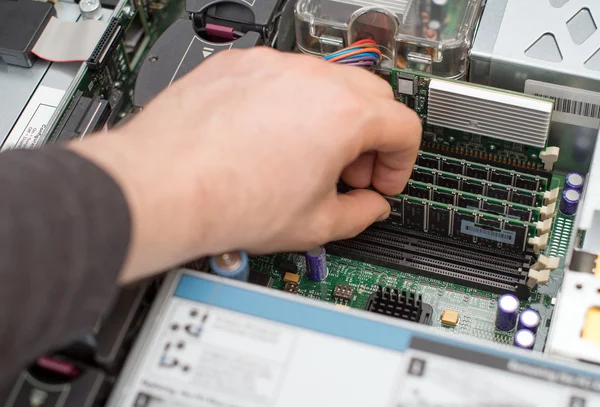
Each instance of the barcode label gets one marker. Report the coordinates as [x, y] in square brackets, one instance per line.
[502, 236]
[573, 106]
[572, 101]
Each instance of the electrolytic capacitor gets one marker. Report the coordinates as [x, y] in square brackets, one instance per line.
[574, 180]
[316, 263]
[507, 312]
[570, 201]
[439, 10]
[232, 265]
[90, 9]
[524, 339]
[529, 319]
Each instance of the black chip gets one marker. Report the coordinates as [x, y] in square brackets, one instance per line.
[410, 102]
[343, 292]
[418, 192]
[498, 193]
[468, 203]
[291, 288]
[447, 182]
[521, 214]
[428, 162]
[422, 176]
[452, 167]
[526, 183]
[520, 237]
[285, 266]
[479, 173]
[443, 197]
[472, 187]
[500, 178]
[395, 205]
[459, 218]
[493, 208]
[523, 198]
[439, 221]
[414, 215]
[259, 278]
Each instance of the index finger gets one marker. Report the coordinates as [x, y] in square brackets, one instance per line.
[396, 137]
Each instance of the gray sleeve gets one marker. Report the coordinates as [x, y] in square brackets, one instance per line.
[64, 234]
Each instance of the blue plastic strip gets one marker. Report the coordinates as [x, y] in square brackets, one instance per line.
[327, 321]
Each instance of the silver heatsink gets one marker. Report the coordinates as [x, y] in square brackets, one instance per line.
[492, 113]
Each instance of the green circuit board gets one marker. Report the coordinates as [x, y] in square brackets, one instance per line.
[476, 308]
[458, 143]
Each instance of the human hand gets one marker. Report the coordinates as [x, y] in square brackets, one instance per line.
[244, 153]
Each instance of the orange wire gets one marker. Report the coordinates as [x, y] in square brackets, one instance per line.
[356, 52]
[365, 41]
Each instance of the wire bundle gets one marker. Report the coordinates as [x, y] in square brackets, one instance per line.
[360, 53]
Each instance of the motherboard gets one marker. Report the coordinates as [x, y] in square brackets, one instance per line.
[102, 94]
[478, 219]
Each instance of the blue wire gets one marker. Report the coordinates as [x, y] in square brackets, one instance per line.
[362, 55]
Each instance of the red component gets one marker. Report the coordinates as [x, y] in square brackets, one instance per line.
[220, 31]
[58, 366]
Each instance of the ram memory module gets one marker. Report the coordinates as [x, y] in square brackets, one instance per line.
[482, 171]
[460, 224]
[476, 202]
[492, 126]
[477, 186]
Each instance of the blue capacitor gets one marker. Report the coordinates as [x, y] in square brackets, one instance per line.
[529, 319]
[507, 312]
[570, 201]
[574, 180]
[524, 339]
[316, 263]
[232, 265]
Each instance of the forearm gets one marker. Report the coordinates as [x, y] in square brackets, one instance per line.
[64, 234]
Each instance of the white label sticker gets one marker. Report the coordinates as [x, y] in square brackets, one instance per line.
[503, 236]
[577, 103]
[31, 127]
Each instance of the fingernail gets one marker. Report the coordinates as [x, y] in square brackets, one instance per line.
[384, 216]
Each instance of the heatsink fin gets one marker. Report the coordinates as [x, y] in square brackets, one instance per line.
[487, 112]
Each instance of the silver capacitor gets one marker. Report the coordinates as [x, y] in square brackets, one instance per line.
[90, 9]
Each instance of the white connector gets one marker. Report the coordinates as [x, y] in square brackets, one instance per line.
[549, 156]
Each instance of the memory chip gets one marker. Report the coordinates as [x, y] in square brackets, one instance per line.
[452, 167]
[493, 208]
[395, 205]
[526, 183]
[479, 173]
[523, 198]
[414, 215]
[520, 237]
[487, 231]
[428, 162]
[468, 203]
[501, 178]
[472, 187]
[443, 197]
[418, 192]
[520, 214]
[497, 193]
[448, 182]
[459, 219]
[422, 176]
[439, 221]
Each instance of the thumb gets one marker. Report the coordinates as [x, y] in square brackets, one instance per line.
[355, 211]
